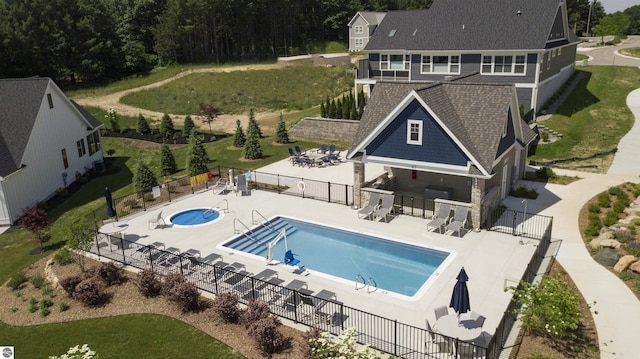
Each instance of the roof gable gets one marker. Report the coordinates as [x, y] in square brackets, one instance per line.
[370, 17]
[471, 114]
[470, 25]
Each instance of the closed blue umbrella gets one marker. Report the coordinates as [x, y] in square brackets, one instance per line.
[111, 212]
[460, 297]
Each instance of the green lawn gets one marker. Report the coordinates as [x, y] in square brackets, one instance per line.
[127, 336]
[595, 116]
[633, 51]
[580, 57]
[291, 88]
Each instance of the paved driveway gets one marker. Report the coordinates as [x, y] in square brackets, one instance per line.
[609, 55]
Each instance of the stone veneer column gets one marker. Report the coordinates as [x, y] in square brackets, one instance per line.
[358, 181]
[477, 192]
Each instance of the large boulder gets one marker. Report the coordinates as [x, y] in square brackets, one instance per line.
[607, 257]
[610, 243]
[624, 263]
[604, 235]
[635, 267]
[631, 218]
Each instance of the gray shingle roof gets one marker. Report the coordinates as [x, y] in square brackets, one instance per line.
[473, 112]
[20, 101]
[373, 18]
[469, 25]
[19, 106]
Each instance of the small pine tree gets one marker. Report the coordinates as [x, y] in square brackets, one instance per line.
[166, 126]
[332, 109]
[282, 136]
[198, 158]
[143, 125]
[239, 138]
[168, 164]
[252, 149]
[188, 125]
[253, 124]
[339, 108]
[323, 112]
[144, 179]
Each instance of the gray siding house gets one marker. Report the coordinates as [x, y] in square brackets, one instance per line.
[463, 141]
[361, 28]
[522, 42]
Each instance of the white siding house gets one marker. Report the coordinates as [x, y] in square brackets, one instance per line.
[46, 142]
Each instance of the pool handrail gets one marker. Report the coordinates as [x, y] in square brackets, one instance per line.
[375, 285]
[216, 206]
[266, 222]
[245, 226]
[364, 282]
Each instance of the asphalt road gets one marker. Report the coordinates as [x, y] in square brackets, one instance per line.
[608, 55]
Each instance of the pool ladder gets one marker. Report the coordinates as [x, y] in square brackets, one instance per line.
[366, 283]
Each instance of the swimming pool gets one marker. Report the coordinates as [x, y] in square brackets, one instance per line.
[393, 265]
[195, 217]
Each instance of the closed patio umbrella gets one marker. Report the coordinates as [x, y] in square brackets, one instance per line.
[460, 297]
[111, 212]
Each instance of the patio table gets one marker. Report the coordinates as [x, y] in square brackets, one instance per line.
[113, 228]
[466, 329]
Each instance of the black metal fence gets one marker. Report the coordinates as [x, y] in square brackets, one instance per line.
[298, 305]
[303, 187]
[517, 223]
[413, 205]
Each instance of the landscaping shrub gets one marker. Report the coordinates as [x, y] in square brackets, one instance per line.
[44, 311]
[593, 229]
[538, 356]
[255, 311]
[46, 290]
[171, 280]
[110, 273]
[604, 200]
[64, 256]
[610, 218]
[33, 305]
[226, 305]
[545, 136]
[633, 248]
[310, 336]
[594, 208]
[90, 292]
[545, 173]
[148, 283]
[620, 205]
[624, 236]
[625, 275]
[63, 306]
[186, 295]
[524, 192]
[69, 284]
[266, 336]
[46, 303]
[17, 280]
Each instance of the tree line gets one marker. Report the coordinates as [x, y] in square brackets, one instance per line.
[97, 40]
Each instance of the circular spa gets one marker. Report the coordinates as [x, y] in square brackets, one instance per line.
[195, 217]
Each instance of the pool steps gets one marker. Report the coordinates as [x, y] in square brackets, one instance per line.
[261, 236]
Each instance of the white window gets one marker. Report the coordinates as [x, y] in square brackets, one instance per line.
[359, 42]
[440, 64]
[358, 29]
[503, 64]
[414, 132]
[394, 62]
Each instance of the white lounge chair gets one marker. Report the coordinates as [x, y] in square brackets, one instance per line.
[157, 220]
[221, 186]
[374, 202]
[441, 218]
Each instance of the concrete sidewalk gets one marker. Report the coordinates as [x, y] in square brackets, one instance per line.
[617, 306]
[627, 159]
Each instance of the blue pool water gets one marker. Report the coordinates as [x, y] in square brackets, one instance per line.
[193, 217]
[394, 266]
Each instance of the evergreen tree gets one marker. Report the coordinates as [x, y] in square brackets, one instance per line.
[197, 159]
[168, 164]
[323, 112]
[253, 124]
[143, 125]
[166, 126]
[332, 109]
[144, 179]
[339, 108]
[239, 139]
[112, 116]
[252, 149]
[282, 136]
[188, 125]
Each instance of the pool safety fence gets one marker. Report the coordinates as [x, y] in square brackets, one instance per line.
[413, 205]
[526, 225]
[297, 304]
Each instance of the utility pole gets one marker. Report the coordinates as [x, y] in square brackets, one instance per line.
[589, 18]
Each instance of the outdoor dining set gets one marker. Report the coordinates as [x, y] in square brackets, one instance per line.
[324, 156]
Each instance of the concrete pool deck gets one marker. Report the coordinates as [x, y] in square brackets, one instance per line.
[491, 259]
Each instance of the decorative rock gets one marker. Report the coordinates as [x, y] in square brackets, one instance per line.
[595, 243]
[50, 275]
[610, 243]
[604, 235]
[635, 267]
[607, 257]
[624, 263]
[630, 218]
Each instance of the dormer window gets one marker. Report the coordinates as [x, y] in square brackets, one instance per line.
[414, 132]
